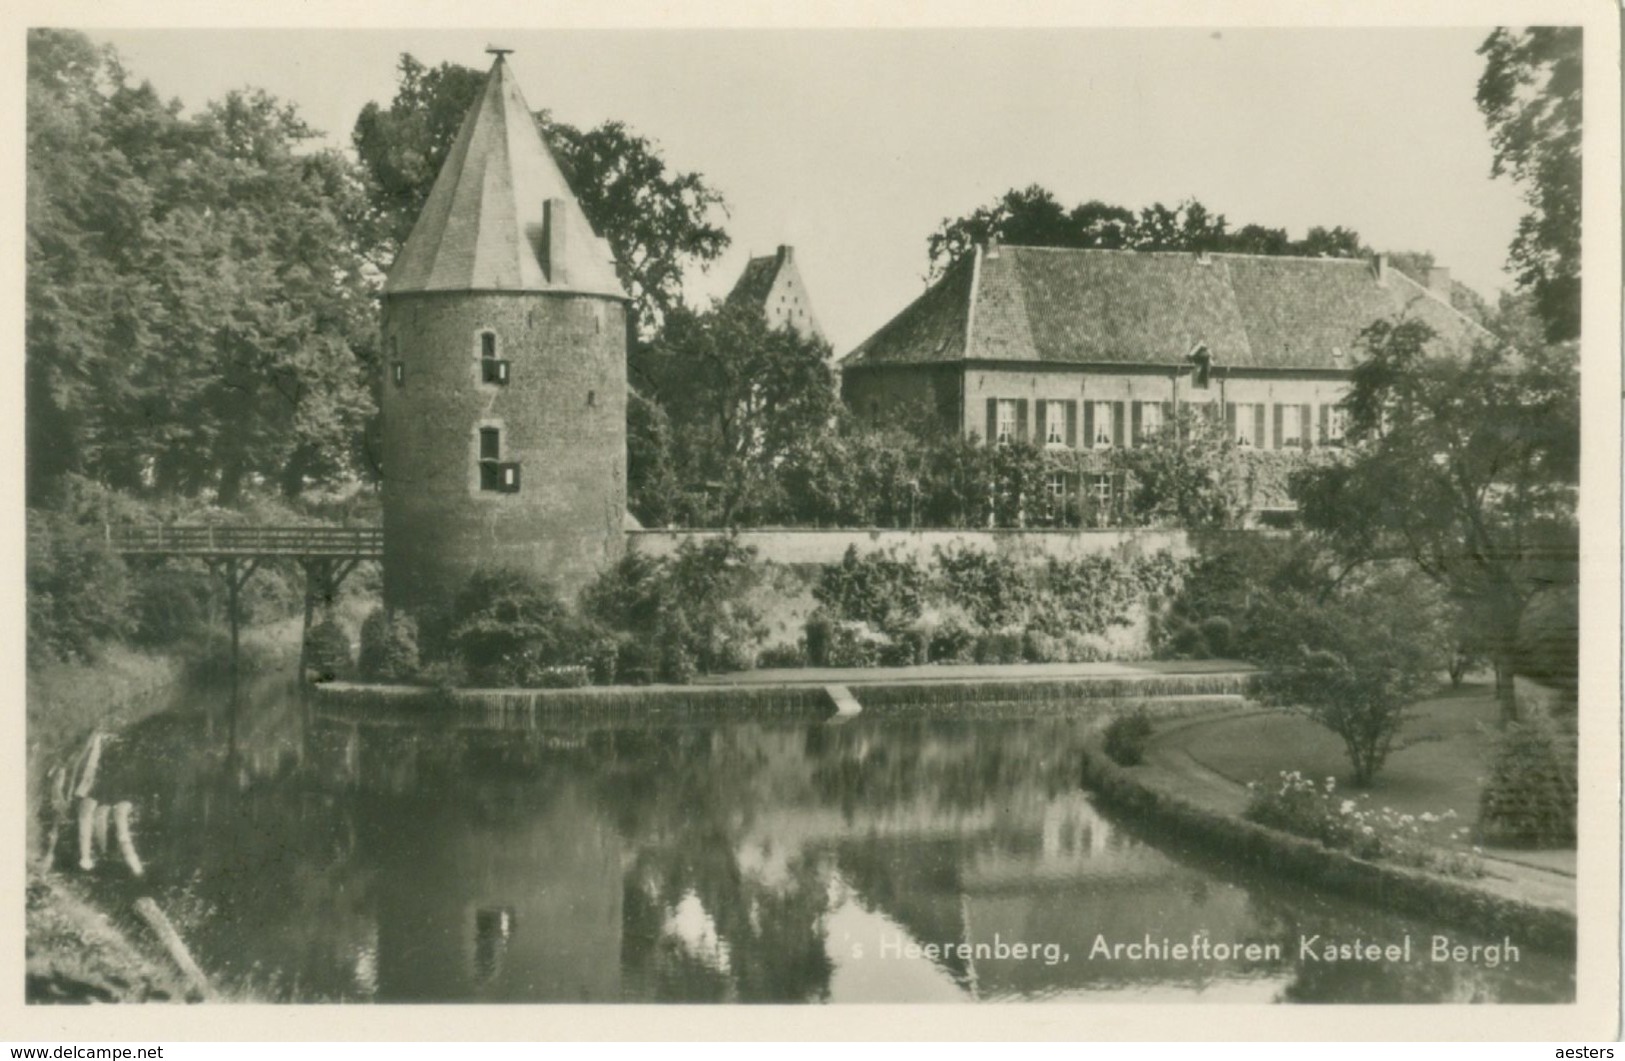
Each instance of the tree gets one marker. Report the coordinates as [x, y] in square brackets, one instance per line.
[1530, 97]
[1030, 216]
[1186, 475]
[739, 395]
[657, 222]
[1033, 217]
[198, 311]
[1355, 661]
[1465, 464]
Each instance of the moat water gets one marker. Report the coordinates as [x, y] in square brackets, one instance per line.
[872, 861]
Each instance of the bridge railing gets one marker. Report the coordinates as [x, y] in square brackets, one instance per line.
[224, 540]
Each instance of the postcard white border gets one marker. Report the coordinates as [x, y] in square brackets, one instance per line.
[1595, 1014]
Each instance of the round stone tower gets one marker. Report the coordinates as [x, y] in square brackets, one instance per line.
[504, 390]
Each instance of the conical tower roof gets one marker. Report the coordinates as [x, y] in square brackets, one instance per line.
[500, 216]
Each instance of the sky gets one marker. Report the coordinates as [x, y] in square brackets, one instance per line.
[854, 145]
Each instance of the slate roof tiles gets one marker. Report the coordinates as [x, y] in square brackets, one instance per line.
[1136, 307]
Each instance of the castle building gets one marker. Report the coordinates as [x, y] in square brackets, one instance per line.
[1096, 349]
[772, 285]
[504, 393]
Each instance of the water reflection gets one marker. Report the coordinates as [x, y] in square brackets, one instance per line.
[873, 861]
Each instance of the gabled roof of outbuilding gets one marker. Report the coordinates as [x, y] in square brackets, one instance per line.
[484, 225]
[1075, 306]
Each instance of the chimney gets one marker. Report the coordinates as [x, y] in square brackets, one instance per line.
[992, 248]
[554, 244]
[786, 253]
[1381, 262]
[1439, 281]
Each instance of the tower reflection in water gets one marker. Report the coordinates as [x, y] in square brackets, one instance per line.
[719, 862]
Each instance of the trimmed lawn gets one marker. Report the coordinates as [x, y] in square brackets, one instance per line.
[1438, 763]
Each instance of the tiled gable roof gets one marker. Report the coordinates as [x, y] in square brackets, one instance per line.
[1132, 307]
[486, 225]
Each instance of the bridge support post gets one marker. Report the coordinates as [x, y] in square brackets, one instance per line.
[236, 572]
[323, 577]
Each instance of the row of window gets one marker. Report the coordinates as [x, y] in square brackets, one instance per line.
[492, 368]
[1109, 424]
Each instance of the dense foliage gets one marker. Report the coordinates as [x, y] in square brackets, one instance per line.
[676, 617]
[1126, 736]
[1033, 217]
[510, 628]
[971, 604]
[389, 647]
[1298, 805]
[198, 310]
[1355, 659]
[1532, 794]
[1464, 464]
[737, 396]
[1530, 96]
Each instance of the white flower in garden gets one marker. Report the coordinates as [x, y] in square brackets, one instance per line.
[1347, 807]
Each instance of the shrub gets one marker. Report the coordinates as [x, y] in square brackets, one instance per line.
[782, 656]
[171, 605]
[878, 588]
[695, 605]
[557, 676]
[1039, 647]
[1082, 648]
[1183, 639]
[995, 589]
[1297, 805]
[327, 650]
[953, 640]
[1531, 796]
[389, 647]
[1355, 662]
[1218, 635]
[78, 589]
[1092, 594]
[506, 623]
[854, 644]
[1000, 646]
[820, 636]
[1126, 737]
[915, 642]
[894, 652]
[443, 675]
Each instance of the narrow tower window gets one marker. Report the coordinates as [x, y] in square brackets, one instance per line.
[496, 474]
[492, 369]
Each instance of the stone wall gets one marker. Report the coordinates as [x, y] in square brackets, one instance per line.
[795, 548]
[560, 415]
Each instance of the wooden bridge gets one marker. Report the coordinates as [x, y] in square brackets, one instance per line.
[217, 542]
[327, 555]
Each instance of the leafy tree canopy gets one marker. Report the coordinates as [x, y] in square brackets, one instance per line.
[198, 309]
[737, 394]
[1032, 216]
[1529, 95]
[1465, 464]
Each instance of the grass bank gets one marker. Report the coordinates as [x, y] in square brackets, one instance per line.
[1193, 779]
